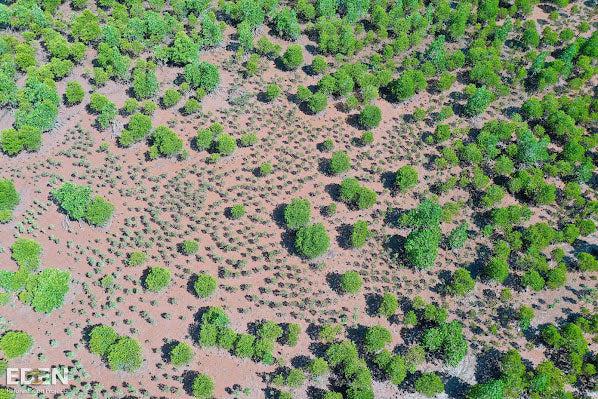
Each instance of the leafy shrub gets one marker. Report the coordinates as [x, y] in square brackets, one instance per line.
[136, 258]
[248, 139]
[265, 169]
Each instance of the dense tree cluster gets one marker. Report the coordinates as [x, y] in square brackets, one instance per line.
[121, 353]
[421, 245]
[356, 195]
[214, 331]
[79, 204]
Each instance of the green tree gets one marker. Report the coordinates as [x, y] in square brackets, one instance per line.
[406, 178]
[586, 262]
[359, 234]
[292, 57]
[183, 49]
[297, 213]
[225, 144]
[497, 269]
[312, 241]
[525, 316]
[376, 338]
[370, 116]
[9, 197]
[317, 102]
[351, 282]
[318, 367]
[99, 211]
[458, 236]
[461, 282]
[73, 199]
[15, 344]
[74, 93]
[205, 285]
[272, 91]
[45, 291]
[203, 387]
[26, 252]
[244, 347]
[86, 27]
[165, 142]
[388, 305]
[124, 355]
[339, 162]
[170, 98]
[202, 75]
[181, 354]
[286, 24]
[429, 385]
[157, 278]
[479, 100]
[101, 339]
[421, 247]
[493, 389]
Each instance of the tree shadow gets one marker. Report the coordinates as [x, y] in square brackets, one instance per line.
[372, 304]
[333, 280]
[166, 349]
[187, 379]
[487, 365]
[343, 235]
